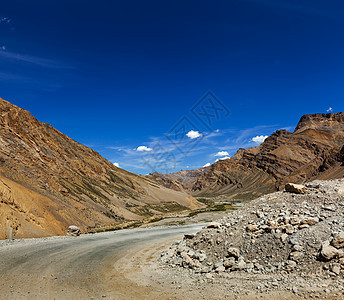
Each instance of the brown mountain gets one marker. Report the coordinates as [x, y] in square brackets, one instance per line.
[49, 181]
[179, 181]
[315, 150]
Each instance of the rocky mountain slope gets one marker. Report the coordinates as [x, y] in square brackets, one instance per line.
[284, 241]
[49, 181]
[315, 150]
[181, 180]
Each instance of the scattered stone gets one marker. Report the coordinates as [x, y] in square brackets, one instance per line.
[292, 241]
[284, 237]
[73, 230]
[328, 252]
[214, 225]
[289, 229]
[251, 228]
[189, 236]
[335, 268]
[338, 240]
[233, 252]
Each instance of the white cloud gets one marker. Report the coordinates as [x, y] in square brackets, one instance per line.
[223, 158]
[193, 134]
[217, 130]
[116, 164]
[259, 139]
[143, 148]
[3, 47]
[222, 153]
[330, 109]
[206, 165]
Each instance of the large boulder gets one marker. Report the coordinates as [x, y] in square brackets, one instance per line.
[329, 252]
[295, 188]
[214, 225]
[73, 230]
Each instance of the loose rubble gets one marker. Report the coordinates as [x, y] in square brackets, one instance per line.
[288, 237]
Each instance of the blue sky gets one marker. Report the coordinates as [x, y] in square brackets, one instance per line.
[117, 75]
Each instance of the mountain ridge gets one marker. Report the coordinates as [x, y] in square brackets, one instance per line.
[48, 181]
[315, 150]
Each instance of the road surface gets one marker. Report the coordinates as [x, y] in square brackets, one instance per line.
[81, 267]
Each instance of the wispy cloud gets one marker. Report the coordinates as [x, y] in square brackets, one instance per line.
[167, 157]
[330, 109]
[29, 83]
[5, 20]
[39, 61]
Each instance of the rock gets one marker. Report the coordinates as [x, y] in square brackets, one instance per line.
[310, 221]
[220, 269]
[329, 252]
[209, 276]
[73, 230]
[341, 261]
[303, 226]
[295, 188]
[295, 255]
[187, 259]
[214, 225]
[202, 257]
[251, 228]
[294, 221]
[289, 229]
[229, 262]
[294, 241]
[297, 247]
[233, 252]
[290, 265]
[335, 268]
[189, 236]
[241, 263]
[284, 237]
[338, 240]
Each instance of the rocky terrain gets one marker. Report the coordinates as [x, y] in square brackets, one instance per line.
[291, 241]
[49, 181]
[180, 181]
[315, 150]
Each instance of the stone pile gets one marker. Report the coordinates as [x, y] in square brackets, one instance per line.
[299, 231]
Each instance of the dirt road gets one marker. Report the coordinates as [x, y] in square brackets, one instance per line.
[84, 267]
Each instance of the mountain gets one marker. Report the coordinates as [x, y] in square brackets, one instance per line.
[49, 181]
[315, 150]
[179, 181]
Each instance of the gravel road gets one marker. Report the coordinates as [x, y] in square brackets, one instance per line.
[76, 267]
